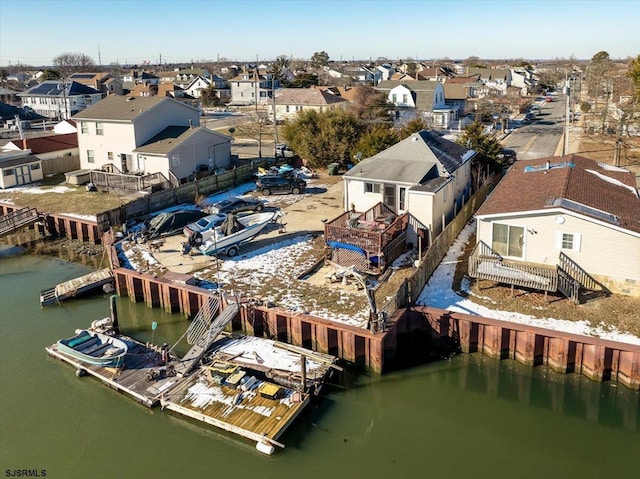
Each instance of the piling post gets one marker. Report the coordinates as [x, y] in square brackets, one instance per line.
[303, 372]
[114, 313]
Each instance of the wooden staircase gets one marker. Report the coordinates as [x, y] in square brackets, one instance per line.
[18, 219]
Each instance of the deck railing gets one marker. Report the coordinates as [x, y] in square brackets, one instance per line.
[493, 267]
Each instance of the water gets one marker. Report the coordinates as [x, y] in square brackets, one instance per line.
[469, 416]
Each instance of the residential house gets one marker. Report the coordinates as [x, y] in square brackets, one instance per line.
[185, 76]
[251, 87]
[423, 99]
[58, 99]
[290, 101]
[19, 168]
[495, 79]
[46, 147]
[117, 133]
[103, 82]
[59, 153]
[425, 175]
[570, 213]
[386, 71]
[216, 83]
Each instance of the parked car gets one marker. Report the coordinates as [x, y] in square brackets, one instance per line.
[282, 150]
[509, 155]
[278, 184]
[236, 205]
[204, 224]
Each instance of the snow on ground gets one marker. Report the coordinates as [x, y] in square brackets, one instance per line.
[291, 259]
[439, 293]
[40, 191]
[82, 217]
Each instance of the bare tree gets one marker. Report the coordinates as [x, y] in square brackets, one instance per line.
[68, 63]
[256, 128]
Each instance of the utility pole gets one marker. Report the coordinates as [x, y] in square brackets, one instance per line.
[99, 57]
[567, 146]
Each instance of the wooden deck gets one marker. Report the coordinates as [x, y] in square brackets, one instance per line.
[76, 286]
[133, 379]
[245, 413]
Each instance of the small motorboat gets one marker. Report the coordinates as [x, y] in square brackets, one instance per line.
[235, 231]
[94, 348]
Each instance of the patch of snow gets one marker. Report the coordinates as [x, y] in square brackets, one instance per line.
[41, 190]
[438, 293]
[82, 217]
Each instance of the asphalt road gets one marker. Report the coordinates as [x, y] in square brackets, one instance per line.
[543, 136]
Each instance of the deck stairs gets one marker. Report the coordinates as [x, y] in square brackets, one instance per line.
[18, 219]
[203, 331]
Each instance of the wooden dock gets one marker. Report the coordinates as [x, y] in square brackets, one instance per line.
[76, 286]
[142, 376]
[249, 386]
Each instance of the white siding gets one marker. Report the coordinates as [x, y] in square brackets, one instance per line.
[602, 250]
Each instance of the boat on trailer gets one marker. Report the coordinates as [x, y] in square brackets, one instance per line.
[227, 238]
[95, 348]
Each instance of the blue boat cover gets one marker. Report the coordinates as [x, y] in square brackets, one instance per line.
[336, 245]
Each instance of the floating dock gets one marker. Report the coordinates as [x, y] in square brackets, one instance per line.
[76, 286]
[249, 386]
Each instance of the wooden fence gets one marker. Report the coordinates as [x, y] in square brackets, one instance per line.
[63, 164]
[187, 193]
[411, 288]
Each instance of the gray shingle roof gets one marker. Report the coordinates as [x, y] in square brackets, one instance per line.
[123, 108]
[413, 161]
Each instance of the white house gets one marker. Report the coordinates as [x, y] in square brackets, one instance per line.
[251, 87]
[290, 101]
[571, 207]
[117, 132]
[419, 98]
[424, 175]
[57, 99]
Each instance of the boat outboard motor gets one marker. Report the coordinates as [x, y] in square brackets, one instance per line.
[195, 239]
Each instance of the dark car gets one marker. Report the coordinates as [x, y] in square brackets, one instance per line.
[280, 184]
[236, 205]
[509, 155]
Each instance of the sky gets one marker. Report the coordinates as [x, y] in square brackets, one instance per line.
[132, 32]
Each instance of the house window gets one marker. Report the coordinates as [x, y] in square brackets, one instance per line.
[390, 196]
[569, 241]
[404, 98]
[402, 193]
[175, 160]
[287, 109]
[35, 166]
[99, 130]
[110, 156]
[83, 127]
[372, 188]
[8, 172]
[394, 98]
[91, 156]
[508, 240]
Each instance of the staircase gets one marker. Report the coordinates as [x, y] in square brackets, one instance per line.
[202, 340]
[574, 282]
[18, 219]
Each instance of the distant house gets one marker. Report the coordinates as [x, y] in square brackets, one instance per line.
[576, 217]
[251, 87]
[57, 99]
[19, 168]
[424, 175]
[290, 101]
[217, 84]
[422, 99]
[185, 76]
[103, 82]
[46, 147]
[154, 134]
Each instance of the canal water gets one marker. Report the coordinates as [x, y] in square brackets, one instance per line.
[469, 416]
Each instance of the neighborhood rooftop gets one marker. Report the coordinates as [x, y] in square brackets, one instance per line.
[590, 188]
